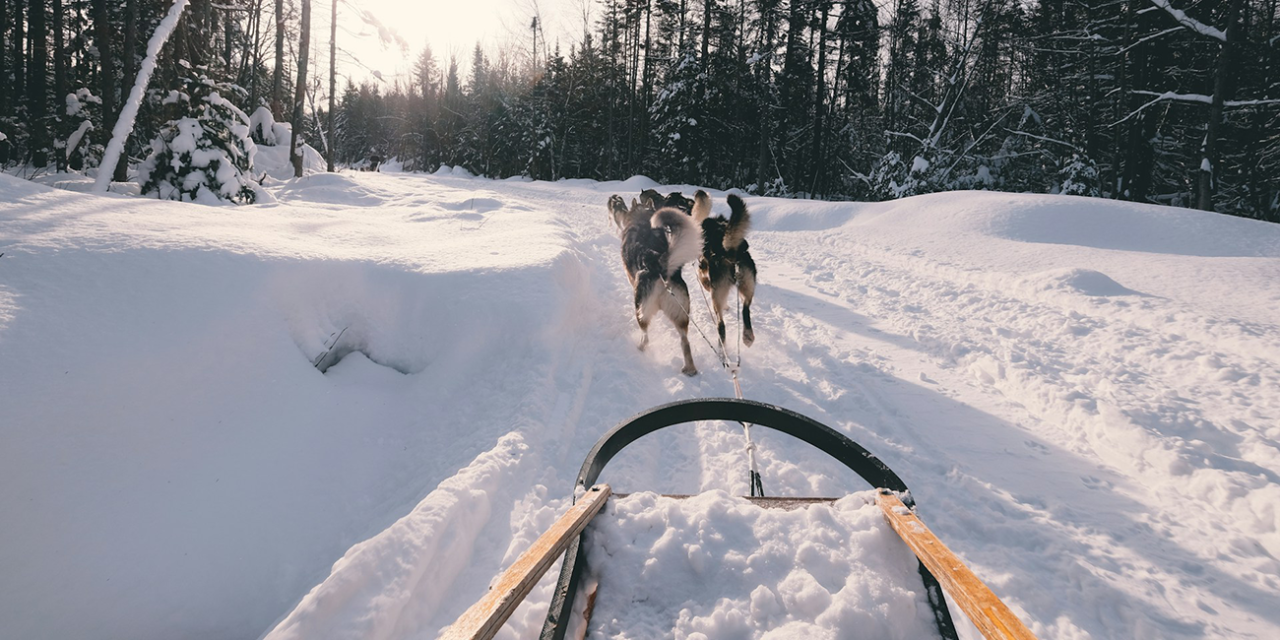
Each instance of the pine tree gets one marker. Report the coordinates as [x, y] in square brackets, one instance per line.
[204, 153]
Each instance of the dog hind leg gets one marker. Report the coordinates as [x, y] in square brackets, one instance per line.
[646, 304]
[719, 295]
[747, 288]
[675, 304]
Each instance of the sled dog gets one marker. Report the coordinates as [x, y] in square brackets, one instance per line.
[655, 244]
[725, 261]
[675, 199]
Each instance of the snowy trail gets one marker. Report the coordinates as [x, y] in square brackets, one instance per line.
[1007, 417]
[1085, 413]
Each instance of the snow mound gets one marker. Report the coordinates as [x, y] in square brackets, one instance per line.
[455, 172]
[473, 205]
[274, 161]
[784, 214]
[638, 183]
[1083, 281]
[331, 188]
[716, 566]
[1146, 228]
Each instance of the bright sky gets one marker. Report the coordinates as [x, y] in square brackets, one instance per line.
[371, 31]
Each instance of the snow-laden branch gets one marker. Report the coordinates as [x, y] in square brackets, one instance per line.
[1203, 99]
[124, 124]
[1042, 138]
[1149, 39]
[1189, 22]
[1197, 98]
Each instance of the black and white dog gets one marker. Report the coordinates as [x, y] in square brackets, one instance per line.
[725, 261]
[655, 244]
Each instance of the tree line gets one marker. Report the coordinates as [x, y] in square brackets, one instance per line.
[1166, 101]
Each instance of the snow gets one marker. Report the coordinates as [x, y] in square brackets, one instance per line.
[263, 125]
[1082, 395]
[718, 566]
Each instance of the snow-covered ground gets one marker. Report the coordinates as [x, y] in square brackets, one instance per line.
[1083, 395]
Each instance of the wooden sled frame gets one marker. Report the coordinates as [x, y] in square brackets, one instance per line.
[486, 617]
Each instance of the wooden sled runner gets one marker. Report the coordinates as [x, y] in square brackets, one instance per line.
[940, 570]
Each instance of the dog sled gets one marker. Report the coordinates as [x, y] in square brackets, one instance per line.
[940, 571]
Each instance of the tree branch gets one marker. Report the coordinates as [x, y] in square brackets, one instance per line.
[1189, 22]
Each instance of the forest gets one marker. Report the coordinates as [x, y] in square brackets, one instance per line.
[1173, 102]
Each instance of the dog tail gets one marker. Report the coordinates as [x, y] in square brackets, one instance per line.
[684, 241]
[618, 211]
[701, 206]
[739, 222]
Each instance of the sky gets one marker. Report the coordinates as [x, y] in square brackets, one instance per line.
[384, 37]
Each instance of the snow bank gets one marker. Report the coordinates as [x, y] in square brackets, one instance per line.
[387, 586]
[172, 463]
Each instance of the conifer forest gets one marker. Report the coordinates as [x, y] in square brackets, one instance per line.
[1173, 102]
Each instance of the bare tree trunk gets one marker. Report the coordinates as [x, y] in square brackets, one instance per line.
[19, 55]
[299, 92]
[107, 77]
[59, 75]
[706, 33]
[1209, 149]
[59, 57]
[251, 63]
[228, 36]
[819, 106]
[277, 76]
[333, 79]
[766, 110]
[4, 69]
[130, 65]
[646, 85]
[38, 83]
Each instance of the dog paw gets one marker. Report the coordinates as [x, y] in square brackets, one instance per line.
[690, 371]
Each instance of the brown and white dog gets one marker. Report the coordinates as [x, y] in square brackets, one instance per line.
[655, 245]
[725, 261]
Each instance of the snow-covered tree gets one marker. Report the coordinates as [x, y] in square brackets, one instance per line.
[204, 153]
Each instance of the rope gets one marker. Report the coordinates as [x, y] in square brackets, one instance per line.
[753, 468]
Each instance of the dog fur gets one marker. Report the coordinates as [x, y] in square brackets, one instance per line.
[725, 262]
[655, 245]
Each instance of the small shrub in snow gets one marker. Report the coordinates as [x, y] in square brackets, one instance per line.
[266, 131]
[204, 153]
[893, 178]
[83, 115]
[1079, 177]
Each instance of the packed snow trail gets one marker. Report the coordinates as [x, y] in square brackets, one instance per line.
[1082, 395]
[874, 339]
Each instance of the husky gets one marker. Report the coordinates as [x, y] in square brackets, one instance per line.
[725, 261]
[675, 199]
[655, 245]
